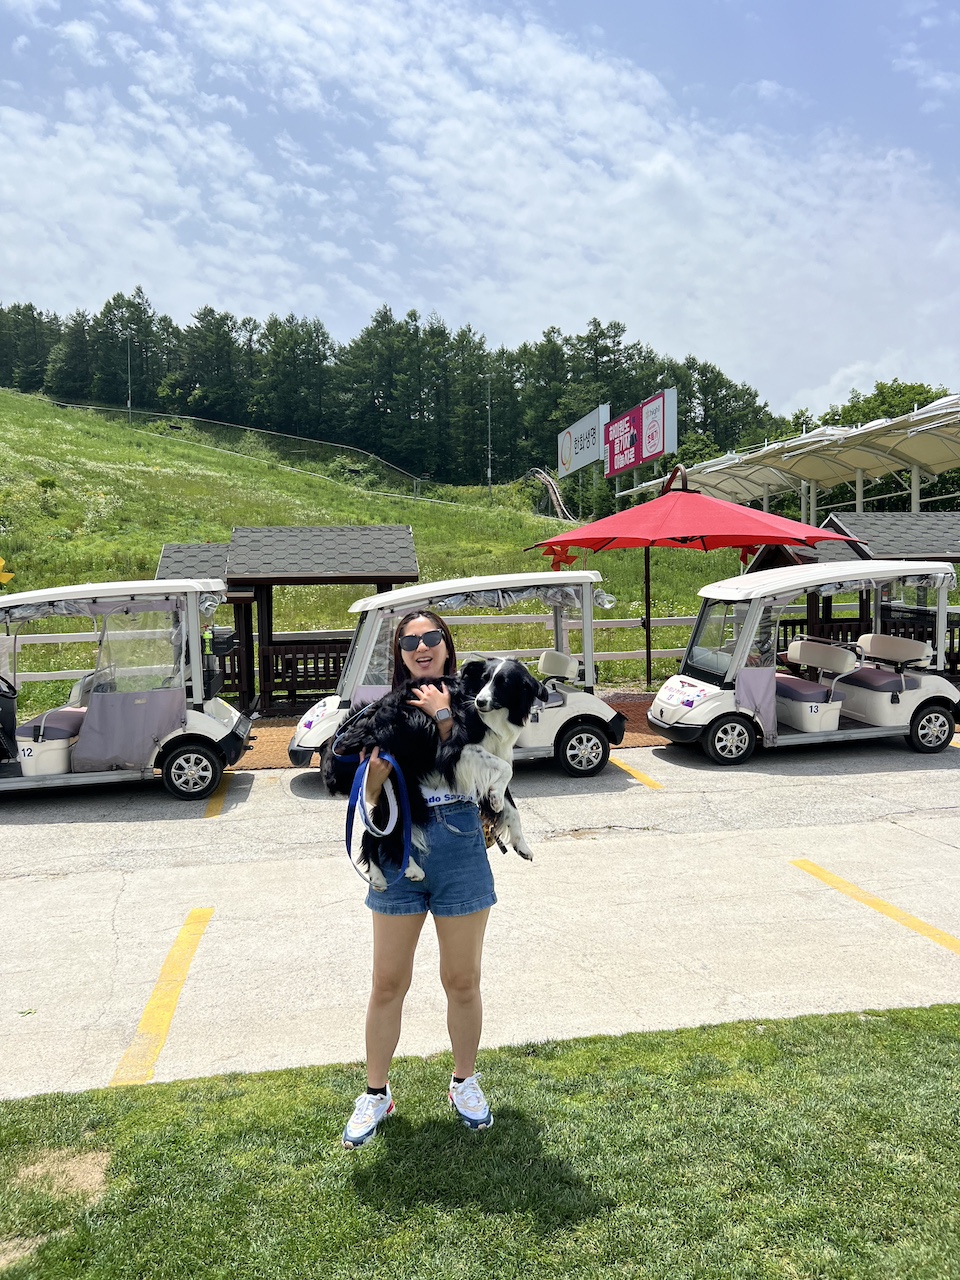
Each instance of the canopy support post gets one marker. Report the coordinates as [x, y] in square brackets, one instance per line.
[647, 628]
[915, 488]
[859, 492]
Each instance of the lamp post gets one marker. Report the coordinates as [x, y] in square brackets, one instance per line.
[488, 376]
[129, 385]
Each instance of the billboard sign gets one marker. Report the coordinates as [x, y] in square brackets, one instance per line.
[643, 433]
[583, 442]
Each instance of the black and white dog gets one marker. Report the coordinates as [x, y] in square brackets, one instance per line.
[490, 702]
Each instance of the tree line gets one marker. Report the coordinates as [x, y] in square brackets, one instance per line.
[409, 389]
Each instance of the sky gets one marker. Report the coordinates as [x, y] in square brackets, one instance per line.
[768, 185]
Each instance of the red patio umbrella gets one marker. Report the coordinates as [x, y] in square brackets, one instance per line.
[683, 518]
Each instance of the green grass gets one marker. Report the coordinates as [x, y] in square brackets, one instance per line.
[818, 1147]
[88, 499]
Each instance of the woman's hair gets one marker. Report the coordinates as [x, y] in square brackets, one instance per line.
[400, 671]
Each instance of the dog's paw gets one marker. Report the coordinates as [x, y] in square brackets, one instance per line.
[378, 880]
[495, 800]
[523, 849]
[414, 871]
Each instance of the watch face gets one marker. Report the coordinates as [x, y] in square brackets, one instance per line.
[442, 714]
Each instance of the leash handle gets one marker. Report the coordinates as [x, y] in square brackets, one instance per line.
[403, 799]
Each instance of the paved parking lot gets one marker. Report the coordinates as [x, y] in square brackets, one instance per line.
[663, 894]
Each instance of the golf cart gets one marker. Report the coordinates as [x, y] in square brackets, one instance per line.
[150, 702]
[872, 669]
[575, 727]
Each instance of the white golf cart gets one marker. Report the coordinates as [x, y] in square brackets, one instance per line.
[575, 727]
[149, 703]
[873, 668]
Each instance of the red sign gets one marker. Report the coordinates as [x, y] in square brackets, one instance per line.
[637, 436]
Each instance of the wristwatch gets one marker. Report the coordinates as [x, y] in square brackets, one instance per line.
[443, 714]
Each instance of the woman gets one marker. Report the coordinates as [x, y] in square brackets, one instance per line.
[457, 890]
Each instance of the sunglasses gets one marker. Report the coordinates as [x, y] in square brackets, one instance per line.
[430, 638]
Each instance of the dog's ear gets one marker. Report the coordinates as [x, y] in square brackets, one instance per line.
[543, 693]
[471, 674]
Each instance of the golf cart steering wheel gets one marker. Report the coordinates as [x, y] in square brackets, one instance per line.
[7, 689]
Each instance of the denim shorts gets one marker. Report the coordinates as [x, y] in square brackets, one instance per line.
[457, 876]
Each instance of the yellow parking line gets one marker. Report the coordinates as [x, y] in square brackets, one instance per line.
[635, 773]
[136, 1065]
[877, 904]
[216, 802]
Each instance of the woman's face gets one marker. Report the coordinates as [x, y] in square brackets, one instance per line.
[424, 661]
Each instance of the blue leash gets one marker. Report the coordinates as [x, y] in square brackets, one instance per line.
[404, 801]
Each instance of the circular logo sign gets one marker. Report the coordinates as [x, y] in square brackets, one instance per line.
[566, 451]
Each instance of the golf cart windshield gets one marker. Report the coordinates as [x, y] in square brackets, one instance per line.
[714, 640]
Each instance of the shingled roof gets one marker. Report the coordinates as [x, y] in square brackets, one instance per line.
[376, 553]
[193, 560]
[902, 535]
[876, 535]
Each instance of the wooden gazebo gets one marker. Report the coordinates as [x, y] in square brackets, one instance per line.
[282, 674]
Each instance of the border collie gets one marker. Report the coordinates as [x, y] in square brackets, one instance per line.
[490, 702]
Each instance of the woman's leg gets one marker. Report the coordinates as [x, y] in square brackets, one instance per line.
[394, 943]
[461, 946]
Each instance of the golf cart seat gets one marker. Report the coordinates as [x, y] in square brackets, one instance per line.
[827, 659]
[896, 654]
[896, 651]
[561, 666]
[554, 665]
[44, 743]
[52, 726]
[812, 705]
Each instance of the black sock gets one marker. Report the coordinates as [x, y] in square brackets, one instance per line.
[459, 1079]
[381, 1093]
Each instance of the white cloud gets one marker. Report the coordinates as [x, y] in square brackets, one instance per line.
[30, 9]
[930, 79]
[138, 9]
[771, 91]
[85, 40]
[300, 155]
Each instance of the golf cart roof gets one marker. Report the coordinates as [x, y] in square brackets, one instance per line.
[849, 575]
[425, 593]
[39, 604]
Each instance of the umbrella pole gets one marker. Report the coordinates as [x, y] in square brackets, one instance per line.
[646, 612]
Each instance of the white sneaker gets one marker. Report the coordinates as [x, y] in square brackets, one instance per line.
[369, 1110]
[469, 1103]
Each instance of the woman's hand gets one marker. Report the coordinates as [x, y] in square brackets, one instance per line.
[378, 771]
[430, 698]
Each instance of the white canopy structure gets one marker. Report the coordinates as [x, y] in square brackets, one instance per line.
[923, 443]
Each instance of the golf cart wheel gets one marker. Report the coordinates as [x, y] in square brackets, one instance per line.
[730, 740]
[931, 729]
[192, 772]
[582, 750]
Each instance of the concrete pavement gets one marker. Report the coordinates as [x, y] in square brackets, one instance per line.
[657, 901]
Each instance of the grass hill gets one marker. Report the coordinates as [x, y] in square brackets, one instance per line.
[86, 499]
